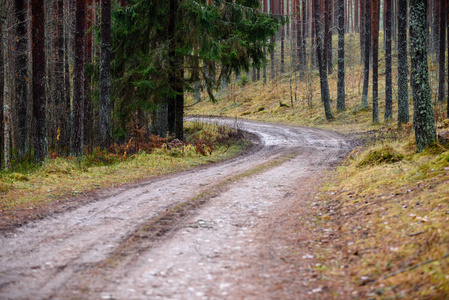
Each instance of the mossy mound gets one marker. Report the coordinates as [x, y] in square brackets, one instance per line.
[386, 154]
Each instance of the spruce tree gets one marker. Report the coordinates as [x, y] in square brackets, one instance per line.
[160, 48]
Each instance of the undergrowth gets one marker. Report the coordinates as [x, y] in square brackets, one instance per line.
[141, 157]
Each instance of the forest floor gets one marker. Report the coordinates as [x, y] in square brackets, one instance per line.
[379, 222]
[239, 229]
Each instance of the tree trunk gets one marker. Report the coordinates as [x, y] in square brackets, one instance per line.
[298, 37]
[78, 79]
[388, 79]
[304, 34]
[176, 78]
[367, 40]
[22, 80]
[403, 109]
[281, 12]
[2, 86]
[341, 57]
[325, 96]
[59, 84]
[328, 33]
[39, 97]
[442, 52]
[105, 74]
[375, 43]
[88, 107]
[423, 119]
[179, 100]
[8, 81]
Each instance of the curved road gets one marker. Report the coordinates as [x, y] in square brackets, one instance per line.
[206, 233]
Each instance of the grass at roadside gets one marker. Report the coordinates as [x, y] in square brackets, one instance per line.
[28, 195]
[380, 222]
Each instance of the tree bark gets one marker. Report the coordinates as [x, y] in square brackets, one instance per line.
[39, 96]
[78, 79]
[388, 79]
[423, 119]
[59, 84]
[328, 34]
[442, 52]
[105, 74]
[22, 80]
[403, 109]
[281, 12]
[367, 40]
[2, 86]
[375, 44]
[325, 96]
[341, 57]
[88, 107]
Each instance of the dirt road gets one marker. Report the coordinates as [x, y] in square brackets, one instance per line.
[210, 233]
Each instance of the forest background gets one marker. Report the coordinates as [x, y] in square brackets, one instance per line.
[112, 78]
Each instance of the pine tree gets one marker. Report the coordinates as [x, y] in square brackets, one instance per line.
[388, 79]
[22, 80]
[39, 96]
[341, 57]
[375, 45]
[105, 74]
[78, 79]
[367, 46]
[324, 85]
[403, 110]
[423, 119]
[2, 85]
[58, 83]
[442, 51]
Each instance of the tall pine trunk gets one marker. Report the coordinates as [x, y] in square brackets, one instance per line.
[2, 86]
[423, 119]
[403, 110]
[88, 107]
[105, 74]
[388, 79]
[78, 79]
[39, 96]
[442, 51]
[281, 12]
[59, 84]
[367, 46]
[324, 85]
[375, 38]
[341, 57]
[328, 34]
[22, 80]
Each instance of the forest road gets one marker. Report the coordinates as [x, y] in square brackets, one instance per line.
[214, 232]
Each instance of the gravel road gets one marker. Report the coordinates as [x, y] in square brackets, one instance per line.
[207, 233]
